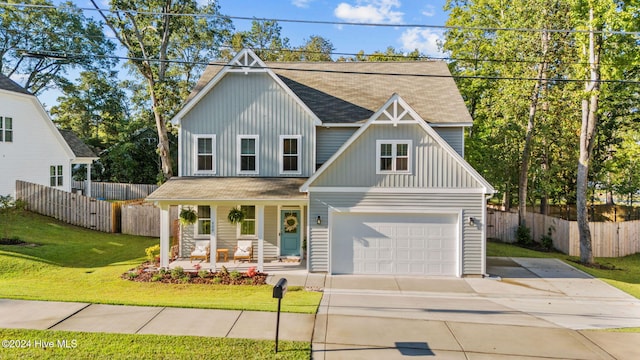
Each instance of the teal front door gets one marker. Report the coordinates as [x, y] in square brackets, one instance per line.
[290, 232]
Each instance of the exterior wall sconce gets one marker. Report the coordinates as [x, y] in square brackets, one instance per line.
[319, 220]
[472, 221]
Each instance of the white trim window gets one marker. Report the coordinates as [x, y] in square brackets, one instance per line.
[6, 129]
[247, 227]
[393, 156]
[203, 226]
[248, 159]
[56, 175]
[205, 154]
[290, 146]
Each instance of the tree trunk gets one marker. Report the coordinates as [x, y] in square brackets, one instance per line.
[163, 138]
[587, 140]
[523, 180]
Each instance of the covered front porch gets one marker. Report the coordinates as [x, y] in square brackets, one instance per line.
[272, 230]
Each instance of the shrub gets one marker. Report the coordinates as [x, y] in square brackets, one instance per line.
[156, 277]
[132, 275]
[547, 240]
[177, 273]
[203, 273]
[251, 272]
[235, 275]
[152, 252]
[523, 235]
[217, 280]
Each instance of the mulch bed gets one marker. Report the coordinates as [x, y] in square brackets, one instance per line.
[148, 272]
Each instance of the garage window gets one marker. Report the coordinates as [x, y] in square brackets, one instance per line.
[393, 156]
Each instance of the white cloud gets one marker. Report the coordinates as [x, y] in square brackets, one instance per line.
[429, 11]
[301, 3]
[370, 11]
[425, 40]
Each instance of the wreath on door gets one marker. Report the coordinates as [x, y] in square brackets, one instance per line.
[290, 223]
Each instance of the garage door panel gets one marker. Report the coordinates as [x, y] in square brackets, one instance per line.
[394, 244]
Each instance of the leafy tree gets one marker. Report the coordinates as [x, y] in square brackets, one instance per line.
[390, 54]
[167, 50]
[95, 109]
[42, 43]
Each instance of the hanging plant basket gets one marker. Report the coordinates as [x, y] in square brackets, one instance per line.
[188, 216]
[235, 216]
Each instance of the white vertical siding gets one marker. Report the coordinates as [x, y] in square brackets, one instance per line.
[329, 140]
[454, 136]
[432, 166]
[468, 204]
[252, 104]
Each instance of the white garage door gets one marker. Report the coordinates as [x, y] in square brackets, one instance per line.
[402, 244]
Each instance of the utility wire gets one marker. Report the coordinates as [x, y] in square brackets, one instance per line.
[327, 22]
[60, 55]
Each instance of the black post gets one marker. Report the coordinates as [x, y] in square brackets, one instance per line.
[278, 324]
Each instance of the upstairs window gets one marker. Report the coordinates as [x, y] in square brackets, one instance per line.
[205, 154]
[55, 175]
[393, 156]
[290, 154]
[248, 154]
[6, 129]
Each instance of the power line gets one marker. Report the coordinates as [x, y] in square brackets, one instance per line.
[329, 22]
[59, 55]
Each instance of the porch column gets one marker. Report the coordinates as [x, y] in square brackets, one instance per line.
[213, 246]
[88, 186]
[260, 220]
[165, 230]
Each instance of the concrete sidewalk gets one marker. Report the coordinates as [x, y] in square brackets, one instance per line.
[50, 315]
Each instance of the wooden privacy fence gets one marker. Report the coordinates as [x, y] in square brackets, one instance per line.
[609, 239]
[115, 191]
[71, 208]
[144, 219]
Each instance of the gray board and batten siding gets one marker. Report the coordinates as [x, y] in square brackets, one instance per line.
[251, 104]
[432, 166]
[470, 205]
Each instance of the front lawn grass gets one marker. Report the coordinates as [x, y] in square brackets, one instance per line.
[74, 264]
[623, 272]
[80, 345]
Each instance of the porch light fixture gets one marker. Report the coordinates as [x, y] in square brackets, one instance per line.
[319, 220]
[472, 220]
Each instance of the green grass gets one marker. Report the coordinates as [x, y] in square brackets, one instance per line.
[124, 346]
[624, 273]
[75, 264]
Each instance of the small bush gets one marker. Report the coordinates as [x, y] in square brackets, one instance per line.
[203, 273]
[152, 252]
[132, 275]
[217, 280]
[547, 240]
[177, 273]
[235, 275]
[156, 277]
[523, 235]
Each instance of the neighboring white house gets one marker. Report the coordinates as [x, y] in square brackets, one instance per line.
[363, 161]
[32, 148]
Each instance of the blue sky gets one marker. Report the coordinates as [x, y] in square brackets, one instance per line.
[345, 38]
[350, 39]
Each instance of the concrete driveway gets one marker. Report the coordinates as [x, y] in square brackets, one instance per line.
[527, 309]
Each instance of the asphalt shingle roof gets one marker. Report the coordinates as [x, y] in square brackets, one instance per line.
[229, 189]
[350, 92]
[79, 148]
[10, 85]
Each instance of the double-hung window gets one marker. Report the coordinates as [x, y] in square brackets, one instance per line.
[6, 129]
[204, 221]
[290, 154]
[55, 175]
[247, 227]
[393, 156]
[248, 159]
[205, 154]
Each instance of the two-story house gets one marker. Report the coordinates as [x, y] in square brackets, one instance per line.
[360, 161]
[32, 149]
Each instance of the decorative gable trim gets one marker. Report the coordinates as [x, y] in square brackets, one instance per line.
[246, 61]
[396, 111]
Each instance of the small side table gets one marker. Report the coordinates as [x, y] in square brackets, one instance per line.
[224, 253]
